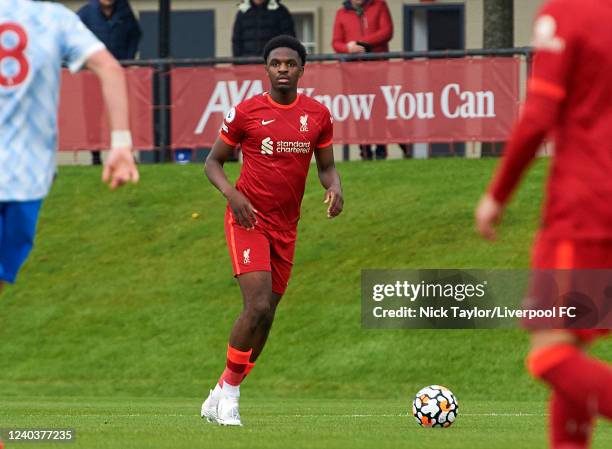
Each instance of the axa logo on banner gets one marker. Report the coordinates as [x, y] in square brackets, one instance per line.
[453, 103]
[226, 95]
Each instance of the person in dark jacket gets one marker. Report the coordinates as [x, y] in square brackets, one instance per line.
[256, 23]
[113, 22]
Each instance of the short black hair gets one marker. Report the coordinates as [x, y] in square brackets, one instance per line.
[284, 41]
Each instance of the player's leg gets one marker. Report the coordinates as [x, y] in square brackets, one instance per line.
[2, 250]
[255, 320]
[581, 385]
[262, 293]
[250, 256]
[260, 340]
[570, 426]
[250, 330]
[282, 249]
[17, 230]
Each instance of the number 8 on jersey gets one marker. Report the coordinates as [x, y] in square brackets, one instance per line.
[14, 66]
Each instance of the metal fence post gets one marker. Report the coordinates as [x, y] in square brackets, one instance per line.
[163, 84]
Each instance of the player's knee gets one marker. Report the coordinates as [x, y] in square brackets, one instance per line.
[548, 349]
[261, 312]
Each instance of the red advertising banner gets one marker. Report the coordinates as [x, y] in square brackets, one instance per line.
[83, 122]
[442, 100]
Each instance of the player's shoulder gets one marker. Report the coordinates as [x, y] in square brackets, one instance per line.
[559, 23]
[313, 105]
[252, 103]
[51, 9]
[564, 8]
[50, 14]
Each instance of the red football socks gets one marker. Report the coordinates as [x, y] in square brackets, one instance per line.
[570, 426]
[583, 380]
[248, 369]
[236, 366]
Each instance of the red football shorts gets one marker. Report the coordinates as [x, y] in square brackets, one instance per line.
[557, 254]
[261, 249]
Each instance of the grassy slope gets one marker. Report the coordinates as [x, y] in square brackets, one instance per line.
[123, 310]
[127, 295]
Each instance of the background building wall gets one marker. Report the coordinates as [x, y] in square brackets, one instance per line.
[325, 11]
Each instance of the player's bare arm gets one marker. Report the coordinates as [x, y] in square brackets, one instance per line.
[243, 210]
[120, 167]
[330, 180]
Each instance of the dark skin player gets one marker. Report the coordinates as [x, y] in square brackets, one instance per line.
[284, 68]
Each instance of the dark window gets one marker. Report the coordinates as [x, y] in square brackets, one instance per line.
[192, 34]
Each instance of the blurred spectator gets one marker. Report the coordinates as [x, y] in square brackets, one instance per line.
[258, 21]
[114, 23]
[363, 26]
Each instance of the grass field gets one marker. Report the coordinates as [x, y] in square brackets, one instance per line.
[119, 322]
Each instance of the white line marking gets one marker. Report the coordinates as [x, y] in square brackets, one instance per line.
[143, 415]
[406, 415]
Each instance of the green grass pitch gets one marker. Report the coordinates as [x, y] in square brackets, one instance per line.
[119, 322]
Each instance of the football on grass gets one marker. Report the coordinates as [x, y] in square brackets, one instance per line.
[435, 406]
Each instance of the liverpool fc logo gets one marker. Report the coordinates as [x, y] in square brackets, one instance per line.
[246, 256]
[304, 123]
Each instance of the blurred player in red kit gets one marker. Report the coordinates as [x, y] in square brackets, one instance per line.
[570, 96]
[279, 131]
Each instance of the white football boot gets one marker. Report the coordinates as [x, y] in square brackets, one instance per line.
[210, 405]
[228, 412]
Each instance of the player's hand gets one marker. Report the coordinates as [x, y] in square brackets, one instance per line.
[120, 168]
[354, 47]
[243, 210]
[334, 200]
[488, 215]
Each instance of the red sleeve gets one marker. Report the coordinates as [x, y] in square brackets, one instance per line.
[384, 32]
[339, 41]
[326, 137]
[538, 116]
[553, 42]
[232, 129]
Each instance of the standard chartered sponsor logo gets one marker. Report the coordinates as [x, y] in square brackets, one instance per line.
[284, 146]
[267, 146]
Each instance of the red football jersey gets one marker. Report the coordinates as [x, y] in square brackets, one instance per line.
[573, 71]
[277, 143]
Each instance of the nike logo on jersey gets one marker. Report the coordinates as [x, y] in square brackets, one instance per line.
[267, 122]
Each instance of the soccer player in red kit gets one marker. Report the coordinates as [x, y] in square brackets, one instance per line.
[570, 96]
[278, 132]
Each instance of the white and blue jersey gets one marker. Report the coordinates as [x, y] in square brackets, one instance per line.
[35, 39]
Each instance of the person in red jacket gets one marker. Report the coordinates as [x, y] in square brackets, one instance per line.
[364, 26]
